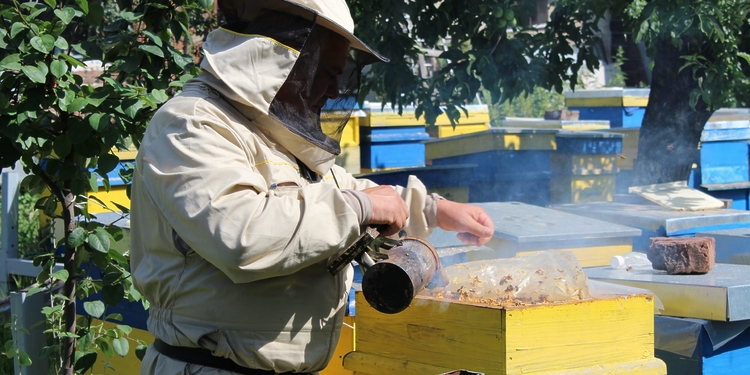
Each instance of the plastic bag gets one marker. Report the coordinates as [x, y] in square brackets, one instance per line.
[546, 276]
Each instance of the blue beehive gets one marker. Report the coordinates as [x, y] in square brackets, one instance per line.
[392, 147]
[624, 108]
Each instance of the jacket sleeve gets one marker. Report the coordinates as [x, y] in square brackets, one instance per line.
[201, 175]
[414, 194]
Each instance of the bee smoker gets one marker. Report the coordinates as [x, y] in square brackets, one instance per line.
[394, 271]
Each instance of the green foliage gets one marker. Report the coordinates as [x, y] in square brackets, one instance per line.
[487, 44]
[618, 76]
[712, 38]
[66, 131]
[532, 105]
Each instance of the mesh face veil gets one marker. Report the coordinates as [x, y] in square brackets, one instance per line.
[326, 74]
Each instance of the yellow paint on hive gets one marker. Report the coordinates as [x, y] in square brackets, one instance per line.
[583, 164]
[615, 101]
[582, 189]
[543, 339]
[488, 141]
[594, 256]
[345, 345]
[382, 365]
[634, 101]
[116, 194]
[376, 118]
[689, 301]
[444, 131]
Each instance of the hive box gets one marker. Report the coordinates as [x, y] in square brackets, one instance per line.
[624, 108]
[600, 336]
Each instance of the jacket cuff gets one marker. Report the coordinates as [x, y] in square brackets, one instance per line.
[360, 203]
[430, 209]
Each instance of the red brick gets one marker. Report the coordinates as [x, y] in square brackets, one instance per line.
[682, 255]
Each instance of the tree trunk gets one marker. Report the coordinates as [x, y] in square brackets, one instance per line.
[69, 289]
[671, 129]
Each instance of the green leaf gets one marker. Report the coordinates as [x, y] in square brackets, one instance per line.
[58, 68]
[140, 351]
[52, 3]
[155, 38]
[113, 294]
[44, 44]
[130, 16]
[94, 308]
[61, 275]
[85, 362]
[131, 107]
[34, 74]
[121, 346]
[62, 146]
[84, 5]
[206, 4]
[107, 162]
[11, 62]
[119, 258]
[124, 329]
[99, 240]
[160, 96]
[76, 105]
[105, 347]
[94, 186]
[73, 61]
[95, 14]
[65, 14]
[76, 237]
[744, 56]
[16, 28]
[154, 50]
[23, 359]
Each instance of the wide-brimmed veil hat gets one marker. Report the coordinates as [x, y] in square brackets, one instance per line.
[331, 14]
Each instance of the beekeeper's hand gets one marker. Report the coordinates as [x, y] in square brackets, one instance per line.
[389, 211]
[472, 223]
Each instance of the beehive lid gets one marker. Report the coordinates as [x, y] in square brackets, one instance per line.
[525, 223]
[654, 217]
[722, 294]
[677, 196]
[556, 124]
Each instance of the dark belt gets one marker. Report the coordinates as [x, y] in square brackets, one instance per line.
[204, 357]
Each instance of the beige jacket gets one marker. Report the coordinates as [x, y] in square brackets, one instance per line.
[216, 170]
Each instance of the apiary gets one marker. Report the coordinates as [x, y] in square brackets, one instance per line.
[624, 108]
[658, 221]
[522, 229]
[434, 336]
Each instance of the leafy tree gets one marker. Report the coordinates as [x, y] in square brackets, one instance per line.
[66, 134]
[700, 51]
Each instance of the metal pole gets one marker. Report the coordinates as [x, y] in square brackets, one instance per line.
[9, 234]
[26, 312]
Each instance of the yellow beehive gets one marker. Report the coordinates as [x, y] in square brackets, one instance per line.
[582, 189]
[599, 336]
[350, 135]
[444, 131]
[478, 115]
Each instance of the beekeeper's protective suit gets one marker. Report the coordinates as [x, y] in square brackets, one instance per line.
[237, 203]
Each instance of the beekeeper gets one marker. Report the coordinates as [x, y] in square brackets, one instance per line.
[237, 203]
